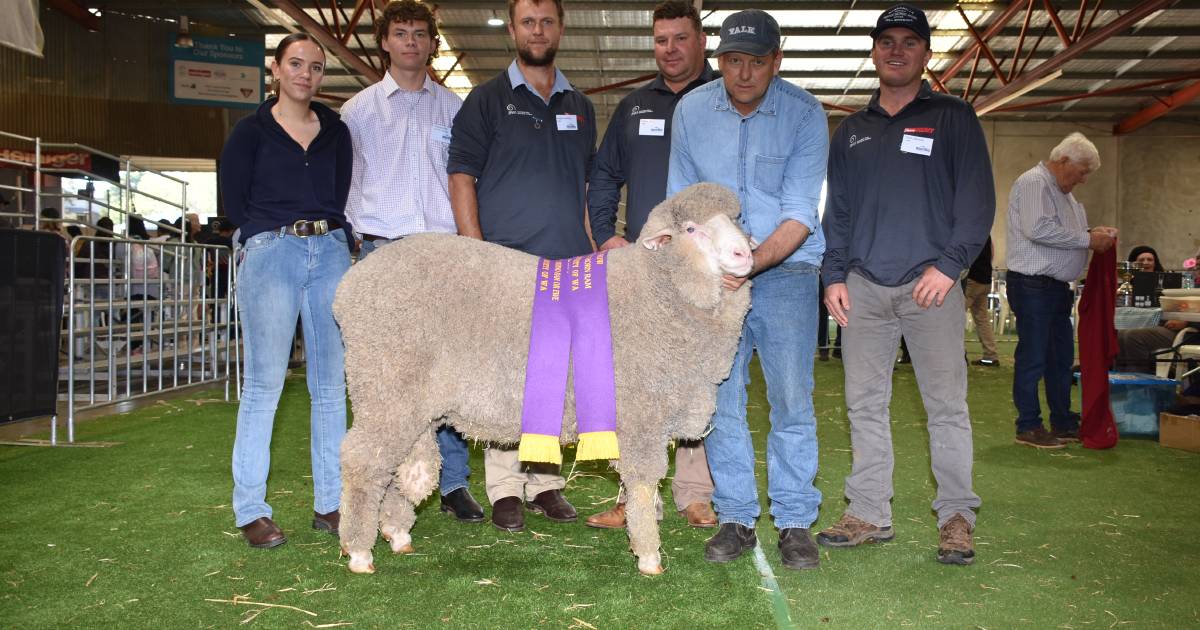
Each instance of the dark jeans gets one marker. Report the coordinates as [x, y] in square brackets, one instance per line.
[1045, 349]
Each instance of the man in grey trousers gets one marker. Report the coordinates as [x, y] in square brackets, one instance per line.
[910, 205]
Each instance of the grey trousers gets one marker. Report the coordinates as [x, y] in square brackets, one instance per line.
[1137, 345]
[878, 316]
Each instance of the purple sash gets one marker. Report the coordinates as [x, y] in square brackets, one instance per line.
[570, 323]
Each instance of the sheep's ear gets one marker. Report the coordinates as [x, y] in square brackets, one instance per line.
[657, 240]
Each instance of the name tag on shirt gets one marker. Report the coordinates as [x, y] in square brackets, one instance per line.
[567, 122]
[440, 134]
[916, 144]
[652, 126]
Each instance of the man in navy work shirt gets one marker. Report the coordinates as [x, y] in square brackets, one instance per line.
[635, 153]
[910, 205]
[520, 153]
[767, 140]
[401, 132]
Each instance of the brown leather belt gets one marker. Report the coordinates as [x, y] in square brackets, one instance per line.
[305, 229]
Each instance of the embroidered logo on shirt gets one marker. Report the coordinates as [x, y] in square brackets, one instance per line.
[749, 30]
[638, 111]
[513, 111]
[855, 140]
[928, 130]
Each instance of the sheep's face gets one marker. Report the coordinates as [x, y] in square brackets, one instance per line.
[720, 245]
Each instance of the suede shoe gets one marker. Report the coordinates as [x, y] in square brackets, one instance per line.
[327, 522]
[612, 518]
[1039, 438]
[263, 533]
[699, 514]
[955, 545]
[729, 543]
[554, 506]
[508, 514]
[463, 506]
[851, 531]
[797, 548]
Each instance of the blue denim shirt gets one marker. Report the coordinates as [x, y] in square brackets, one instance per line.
[774, 159]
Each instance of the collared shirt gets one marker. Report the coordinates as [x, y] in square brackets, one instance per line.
[773, 159]
[1047, 228]
[561, 84]
[907, 191]
[636, 151]
[401, 145]
[530, 159]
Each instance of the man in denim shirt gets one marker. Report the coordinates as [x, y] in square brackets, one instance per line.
[766, 140]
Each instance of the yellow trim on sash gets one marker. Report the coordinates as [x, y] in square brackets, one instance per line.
[597, 445]
[539, 448]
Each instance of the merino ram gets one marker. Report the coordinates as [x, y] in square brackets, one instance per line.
[437, 329]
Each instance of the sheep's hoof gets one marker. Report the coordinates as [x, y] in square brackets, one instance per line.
[650, 565]
[400, 541]
[360, 562]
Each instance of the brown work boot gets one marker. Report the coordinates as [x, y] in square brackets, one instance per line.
[699, 514]
[954, 542]
[852, 531]
[1039, 438]
[263, 533]
[613, 518]
[1065, 436]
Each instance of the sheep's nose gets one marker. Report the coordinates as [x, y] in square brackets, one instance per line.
[741, 252]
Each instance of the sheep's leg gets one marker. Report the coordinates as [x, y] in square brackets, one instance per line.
[643, 526]
[415, 478]
[367, 461]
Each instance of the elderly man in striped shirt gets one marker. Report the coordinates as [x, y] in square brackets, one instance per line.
[401, 132]
[1048, 243]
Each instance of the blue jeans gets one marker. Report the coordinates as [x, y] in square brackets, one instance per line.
[281, 277]
[780, 325]
[1045, 349]
[451, 444]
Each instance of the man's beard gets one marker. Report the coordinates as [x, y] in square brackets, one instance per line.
[547, 58]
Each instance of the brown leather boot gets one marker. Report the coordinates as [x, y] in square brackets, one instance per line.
[613, 518]
[699, 515]
[263, 533]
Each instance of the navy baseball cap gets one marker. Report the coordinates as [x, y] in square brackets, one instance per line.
[902, 16]
[752, 31]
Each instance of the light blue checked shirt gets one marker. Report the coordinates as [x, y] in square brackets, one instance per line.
[401, 145]
[1047, 228]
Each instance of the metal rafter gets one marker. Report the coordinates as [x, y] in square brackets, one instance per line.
[1086, 95]
[1073, 51]
[1172, 102]
[328, 40]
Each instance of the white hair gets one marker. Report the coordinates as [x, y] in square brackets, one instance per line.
[1078, 149]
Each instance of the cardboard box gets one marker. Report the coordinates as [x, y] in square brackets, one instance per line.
[1179, 432]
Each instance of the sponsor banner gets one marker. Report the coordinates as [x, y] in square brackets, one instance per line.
[216, 71]
[100, 165]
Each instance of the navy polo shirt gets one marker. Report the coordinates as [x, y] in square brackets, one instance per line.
[531, 161]
[636, 152]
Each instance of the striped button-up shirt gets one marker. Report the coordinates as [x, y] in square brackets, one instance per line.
[401, 143]
[1047, 228]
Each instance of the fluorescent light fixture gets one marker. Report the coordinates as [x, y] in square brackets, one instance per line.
[980, 111]
[495, 20]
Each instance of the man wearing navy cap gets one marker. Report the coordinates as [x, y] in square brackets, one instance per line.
[766, 140]
[910, 205]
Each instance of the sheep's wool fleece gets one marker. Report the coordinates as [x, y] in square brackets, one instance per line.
[437, 326]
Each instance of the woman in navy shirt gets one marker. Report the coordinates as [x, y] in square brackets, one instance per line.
[285, 175]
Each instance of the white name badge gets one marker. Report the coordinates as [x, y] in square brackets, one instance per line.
[567, 122]
[440, 134]
[652, 127]
[916, 144]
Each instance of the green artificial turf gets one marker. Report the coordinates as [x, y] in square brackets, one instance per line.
[141, 535]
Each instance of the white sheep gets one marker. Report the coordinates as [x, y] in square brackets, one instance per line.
[436, 329]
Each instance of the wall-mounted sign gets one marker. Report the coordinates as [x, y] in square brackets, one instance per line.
[224, 72]
[100, 165]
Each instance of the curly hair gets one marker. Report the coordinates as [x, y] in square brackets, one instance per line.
[399, 11]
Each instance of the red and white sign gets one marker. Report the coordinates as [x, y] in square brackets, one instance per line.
[80, 160]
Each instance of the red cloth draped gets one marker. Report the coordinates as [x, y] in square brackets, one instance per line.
[1097, 348]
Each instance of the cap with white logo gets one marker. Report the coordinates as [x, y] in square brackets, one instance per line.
[752, 31]
[902, 16]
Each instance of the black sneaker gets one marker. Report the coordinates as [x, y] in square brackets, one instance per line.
[729, 543]
[1039, 438]
[798, 549]
[988, 362]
